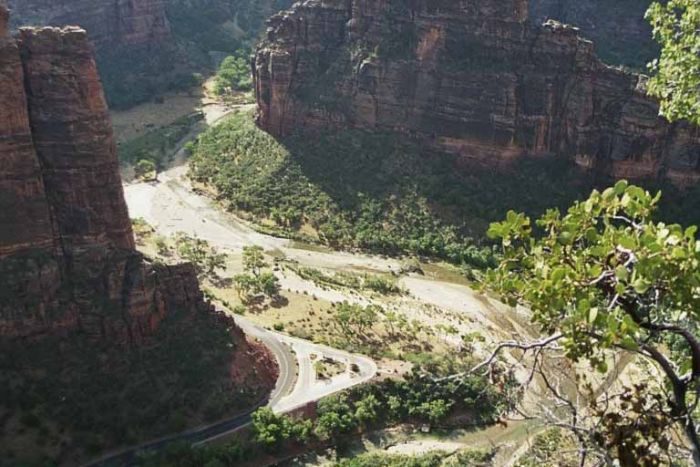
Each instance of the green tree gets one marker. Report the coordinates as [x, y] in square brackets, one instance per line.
[145, 169]
[270, 430]
[367, 409]
[234, 75]
[268, 284]
[254, 259]
[214, 260]
[199, 252]
[391, 318]
[246, 285]
[192, 249]
[603, 277]
[434, 411]
[335, 417]
[676, 74]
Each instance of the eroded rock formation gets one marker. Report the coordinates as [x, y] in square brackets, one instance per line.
[109, 22]
[475, 78]
[67, 257]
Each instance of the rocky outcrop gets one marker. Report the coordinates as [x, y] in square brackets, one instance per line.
[24, 214]
[621, 34]
[474, 78]
[109, 22]
[72, 135]
[67, 257]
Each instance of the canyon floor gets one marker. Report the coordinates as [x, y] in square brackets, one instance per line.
[440, 297]
[441, 303]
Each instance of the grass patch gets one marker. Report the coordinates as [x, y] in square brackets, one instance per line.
[384, 285]
[462, 458]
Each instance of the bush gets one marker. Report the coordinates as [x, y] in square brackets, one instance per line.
[381, 285]
[145, 169]
[234, 75]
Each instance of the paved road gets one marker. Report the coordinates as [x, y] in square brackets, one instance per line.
[286, 360]
[285, 384]
[290, 392]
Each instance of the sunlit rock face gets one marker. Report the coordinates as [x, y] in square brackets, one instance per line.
[476, 78]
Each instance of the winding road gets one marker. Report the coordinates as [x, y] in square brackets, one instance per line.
[289, 393]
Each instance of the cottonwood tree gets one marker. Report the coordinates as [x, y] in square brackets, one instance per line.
[206, 258]
[254, 259]
[605, 279]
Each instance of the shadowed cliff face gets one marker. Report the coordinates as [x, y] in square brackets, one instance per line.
[85, 319]
[472, 78]
[109, 22]
[67, 258]
[619, 30]
[24, 215]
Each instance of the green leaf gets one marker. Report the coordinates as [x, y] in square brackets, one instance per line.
[592, 314]
[566, 238]
[629, 343]
[635, 192]
[679, 253]
[602, 367]
[621, 273]
[627, 241]
[641, 286]
[591, 235]
[620, 187]
[558, 274]
[608, 194]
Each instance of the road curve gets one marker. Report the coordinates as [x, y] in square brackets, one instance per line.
[285, 384]
[290, 392]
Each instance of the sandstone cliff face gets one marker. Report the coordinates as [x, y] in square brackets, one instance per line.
[67, 257]
[109, 22]
[618, 29]
[24, 214]
[474, 78]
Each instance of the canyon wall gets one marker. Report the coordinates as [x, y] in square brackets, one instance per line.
[67, 257]
[109, 22]
[621, 34]
[474, 78]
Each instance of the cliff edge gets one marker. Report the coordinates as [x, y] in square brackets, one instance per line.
[472, 78]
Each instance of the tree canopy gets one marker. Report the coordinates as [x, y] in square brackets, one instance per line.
[606, 276]
[676, 79]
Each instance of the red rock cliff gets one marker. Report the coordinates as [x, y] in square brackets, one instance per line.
[109, 22]
[67, 258]
[475, 78]
[24, 215]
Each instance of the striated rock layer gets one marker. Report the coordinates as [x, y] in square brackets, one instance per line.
[110, 22]
[67, 257]
[475, 78]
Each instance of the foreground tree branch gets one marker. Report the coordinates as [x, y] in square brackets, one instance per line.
[605, 276]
